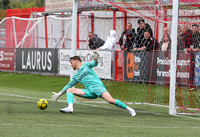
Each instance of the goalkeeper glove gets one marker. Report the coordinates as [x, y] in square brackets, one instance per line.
[55, 96]
[95, 56]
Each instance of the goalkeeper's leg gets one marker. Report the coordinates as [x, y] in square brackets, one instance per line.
[70, 99]
[108, 98]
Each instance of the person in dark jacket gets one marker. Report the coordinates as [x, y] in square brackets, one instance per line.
[185, 41]
[140, 31]
[195, 37]
[94, 41]
[123, 39]
[130, 41]
[149, 43]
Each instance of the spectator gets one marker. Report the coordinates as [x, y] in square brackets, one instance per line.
[199, 28]
[180, 39]
[149, 43]
[165, 43]
[130, 41]
[94, 41]
[195, 37]
[123, 38]
[140, 31]
[166, 32]
[179, 30]
[110, 43]
[186, 38]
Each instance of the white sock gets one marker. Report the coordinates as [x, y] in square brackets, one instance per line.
[131, 111]
[70, 105]
[128, 108]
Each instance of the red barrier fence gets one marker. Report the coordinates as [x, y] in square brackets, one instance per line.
[24, 13]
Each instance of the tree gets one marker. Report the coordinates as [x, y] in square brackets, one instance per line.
[4, 4]
[34, 3]
[39, 3]
[3, 14]
[16, 4]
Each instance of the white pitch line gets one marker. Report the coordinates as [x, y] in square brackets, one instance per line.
[81, 102]
[14, 95]
[21, 96]
[98, 126]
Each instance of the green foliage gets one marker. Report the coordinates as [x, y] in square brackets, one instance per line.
[39, 3]
[15, 4]
[4, 4]
[3, 14]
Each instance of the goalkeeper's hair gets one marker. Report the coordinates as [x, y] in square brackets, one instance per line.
[75, 58]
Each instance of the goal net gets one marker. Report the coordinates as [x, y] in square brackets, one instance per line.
[30, 32]
[143, 76]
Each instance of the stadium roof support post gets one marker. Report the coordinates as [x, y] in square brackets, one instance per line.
[172, 92]
[45, 26]
[125, 19]
[156, 22]
[114, 19]
[92, 22]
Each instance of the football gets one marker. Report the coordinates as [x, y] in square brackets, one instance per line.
[42, 104]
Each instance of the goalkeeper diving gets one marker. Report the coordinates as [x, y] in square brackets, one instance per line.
[94, 87]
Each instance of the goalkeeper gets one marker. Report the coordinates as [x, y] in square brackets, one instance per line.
[94, 87]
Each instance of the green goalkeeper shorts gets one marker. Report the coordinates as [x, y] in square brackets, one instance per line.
[94, 92]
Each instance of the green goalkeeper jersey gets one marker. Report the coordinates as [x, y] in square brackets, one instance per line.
[85, 76]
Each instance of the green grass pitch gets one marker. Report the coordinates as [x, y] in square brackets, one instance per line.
[20, 117]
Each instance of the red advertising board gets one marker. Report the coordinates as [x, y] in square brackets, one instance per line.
[7, 59]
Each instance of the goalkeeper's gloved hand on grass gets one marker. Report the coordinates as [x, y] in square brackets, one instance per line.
[55, 96]
[95, 56]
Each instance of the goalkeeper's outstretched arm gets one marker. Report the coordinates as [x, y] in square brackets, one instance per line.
[55, 96]
[94, 63]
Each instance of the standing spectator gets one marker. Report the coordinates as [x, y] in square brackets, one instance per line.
[123, 38]
[110, 43]
[195, 37]
[179, 30]
[94, 41]
[165, 43]
[166, 32]
[130, 41]
[186, 38]
[149, 43]
[179, 39]
[199, 28]
[140, 31]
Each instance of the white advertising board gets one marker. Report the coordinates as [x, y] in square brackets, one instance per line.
[64, 64]
[103, 70]
[58, 5]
